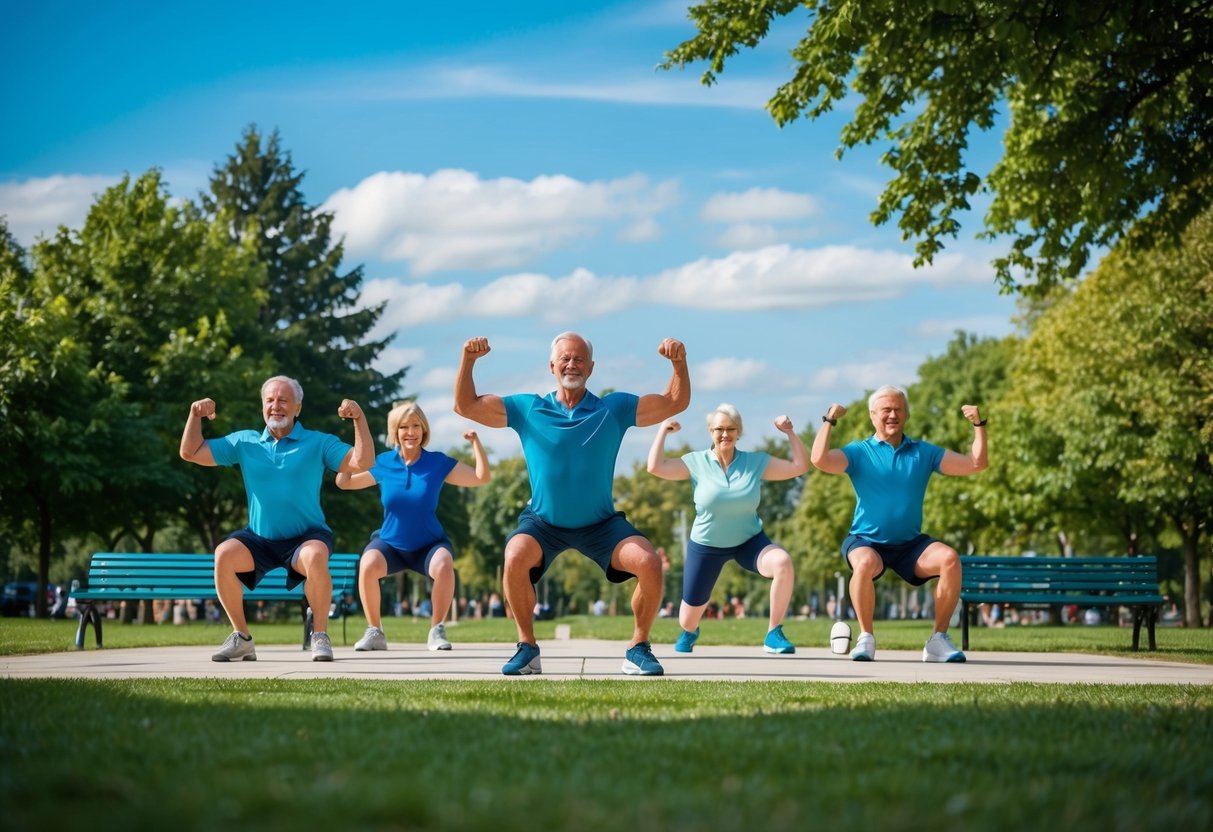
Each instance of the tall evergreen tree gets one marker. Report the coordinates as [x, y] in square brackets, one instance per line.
[309, 323]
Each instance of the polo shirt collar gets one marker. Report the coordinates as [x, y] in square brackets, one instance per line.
[296, 432]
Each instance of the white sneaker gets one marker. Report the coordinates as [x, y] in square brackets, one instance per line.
[939, 648]
[437, 639]
[236, 648]
[865, 648]
[322, 648]
[372, 639]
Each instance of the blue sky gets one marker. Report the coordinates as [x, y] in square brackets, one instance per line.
[515, 170]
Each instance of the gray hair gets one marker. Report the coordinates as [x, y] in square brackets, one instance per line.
[565, 336]
[731, 412]
[295, 386]
[888, 390]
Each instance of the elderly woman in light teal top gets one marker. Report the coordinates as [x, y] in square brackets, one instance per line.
[727, 490]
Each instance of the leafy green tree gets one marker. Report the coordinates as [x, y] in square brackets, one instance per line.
[971, 371]
[1121, 372]
[492, 515]
[1107, 111]
[309, 323]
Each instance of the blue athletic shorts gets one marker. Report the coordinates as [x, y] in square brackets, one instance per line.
[417, 560]
[597, 541]
[271, 554]
[703, 565]
[900, 557]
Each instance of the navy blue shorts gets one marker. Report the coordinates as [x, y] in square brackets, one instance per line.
[900, 557]
[417, 560]
[703, 565]
[596, 541]
[271, 554]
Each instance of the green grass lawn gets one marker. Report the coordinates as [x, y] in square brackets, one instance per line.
[620, 754]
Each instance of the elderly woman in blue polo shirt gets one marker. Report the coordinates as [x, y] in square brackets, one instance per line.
[727, 490]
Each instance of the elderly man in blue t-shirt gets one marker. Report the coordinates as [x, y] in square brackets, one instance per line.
[570, 439]
[283, 467]
[889, 472]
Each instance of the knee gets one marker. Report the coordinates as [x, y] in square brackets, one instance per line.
[372, 564]
[313, 560]
[441, 564]
[865, 566]
[778, 563]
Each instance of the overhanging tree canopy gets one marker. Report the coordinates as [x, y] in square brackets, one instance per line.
[1110, 109]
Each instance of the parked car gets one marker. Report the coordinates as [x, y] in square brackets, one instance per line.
[19, 598]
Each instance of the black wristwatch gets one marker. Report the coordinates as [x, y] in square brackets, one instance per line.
[833, 422]
[980, 424]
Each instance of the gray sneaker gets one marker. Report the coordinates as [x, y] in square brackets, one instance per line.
[322, 648]
[236, 649]
[437, 639]
[372, 639]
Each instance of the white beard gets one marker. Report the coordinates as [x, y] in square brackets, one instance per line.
[278, 422]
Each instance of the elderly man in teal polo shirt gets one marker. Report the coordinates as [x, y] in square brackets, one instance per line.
[283, 467]
[889, 472]
[570, 439]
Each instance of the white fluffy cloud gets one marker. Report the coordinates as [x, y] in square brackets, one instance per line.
[39, 206]
[775, 277]
[731, 374]
[453, 219]
[758, 205]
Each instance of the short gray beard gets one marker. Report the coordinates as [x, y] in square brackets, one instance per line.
[278, 422]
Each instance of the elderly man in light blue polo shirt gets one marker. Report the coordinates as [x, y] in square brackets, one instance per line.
[283, 467]
[889, 472]
[570, 439]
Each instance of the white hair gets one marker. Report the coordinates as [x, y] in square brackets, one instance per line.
[565, 336]
[888, 390]
[731, 412]
[295, 386]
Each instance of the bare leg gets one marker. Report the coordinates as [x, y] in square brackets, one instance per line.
[865, 566]
[689, 617]
[942, 560]
[522, 554]
[232, 557]
[372, 568]
[442, 572]
[636, 555]
[312, 561]
[776, 564]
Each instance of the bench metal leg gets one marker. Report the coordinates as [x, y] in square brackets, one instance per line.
[88, 615]
[964, 625]
[307, 626]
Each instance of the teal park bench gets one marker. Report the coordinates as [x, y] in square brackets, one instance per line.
[1034, 582]
[138, 576]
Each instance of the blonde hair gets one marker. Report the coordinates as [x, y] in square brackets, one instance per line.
[401, 412]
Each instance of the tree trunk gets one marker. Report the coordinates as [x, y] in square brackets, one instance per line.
[1191, 548]
[44, 556]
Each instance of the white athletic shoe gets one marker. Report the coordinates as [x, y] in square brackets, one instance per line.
[437, 639]
[939, 648]
[865, 648]
[322, 647]
[372, 639]
[236, 649]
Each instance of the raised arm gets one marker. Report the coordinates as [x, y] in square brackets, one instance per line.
[786, 469]
[194, 448]
[467, 476]
[825, 459]
[658, 465]
[347, 481]
[958, 465]
[488, 410]
[362, 456]
[654, 407]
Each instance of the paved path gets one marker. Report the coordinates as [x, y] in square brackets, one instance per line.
[587, 659]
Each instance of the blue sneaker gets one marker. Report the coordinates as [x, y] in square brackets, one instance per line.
[640, 661]
[777, 642]
[525, 661]
[686, 641]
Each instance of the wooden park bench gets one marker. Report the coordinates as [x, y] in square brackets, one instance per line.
[115, 577]
[1034, 582]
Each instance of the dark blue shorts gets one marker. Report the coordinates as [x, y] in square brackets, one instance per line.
[900, 557]
[597, 541]
[703, 565]
[417, 560]
[271, 554]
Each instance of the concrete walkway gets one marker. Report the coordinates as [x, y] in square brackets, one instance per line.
[587, 659]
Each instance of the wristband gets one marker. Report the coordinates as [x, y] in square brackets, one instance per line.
[831, 421]
[980, 424]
